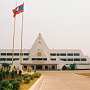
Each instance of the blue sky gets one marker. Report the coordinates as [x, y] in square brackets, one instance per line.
[63, 23]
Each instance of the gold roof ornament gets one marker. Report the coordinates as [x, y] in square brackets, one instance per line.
[39, 54]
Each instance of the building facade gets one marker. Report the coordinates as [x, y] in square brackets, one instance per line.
[40, 57]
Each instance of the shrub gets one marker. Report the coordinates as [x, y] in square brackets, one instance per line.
[6, 85]
[72, 66]
[27, 80]
[32, 77]
[19, 79]
[36, 75]
[16, 84]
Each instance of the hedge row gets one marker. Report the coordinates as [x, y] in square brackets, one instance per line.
[27, 77]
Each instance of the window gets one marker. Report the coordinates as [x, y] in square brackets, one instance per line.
[62, 54]
[9, 54]
[36, 58]
[16, 54]
[25, 59]
[21, 54]
[3, 54]
[39, 58]
[69, 54]
[53, 54]
[9, 59]
[63, 59]
[76, 59]
[76, 54]
[53, 59]
[2, 59]
[83, 59]
[26, 54]
[57, 54]
[15, 59]
[33, 58]
[45, 59]
[70, 59]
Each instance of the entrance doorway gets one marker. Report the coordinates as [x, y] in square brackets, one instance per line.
[53, 67]
[46, 67]
[38, 67]
[24, 68]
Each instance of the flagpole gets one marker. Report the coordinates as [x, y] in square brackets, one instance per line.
[13, 46]
[21, 59]
[13, 40]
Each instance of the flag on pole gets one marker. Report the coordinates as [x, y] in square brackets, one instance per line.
[19, 9]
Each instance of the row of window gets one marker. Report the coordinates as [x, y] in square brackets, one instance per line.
[15, 54]
[52, 54]
[64, 54]
[10, 59]
[75, 59]
[69, 59]
[53, 59]
[39, 59]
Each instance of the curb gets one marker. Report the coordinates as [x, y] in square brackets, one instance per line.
[37, 84]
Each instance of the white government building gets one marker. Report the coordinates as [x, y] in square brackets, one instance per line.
[40, 57]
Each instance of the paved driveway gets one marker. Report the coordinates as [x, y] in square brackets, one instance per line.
[62, 81]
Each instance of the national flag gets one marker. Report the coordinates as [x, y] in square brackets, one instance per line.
[19, 9]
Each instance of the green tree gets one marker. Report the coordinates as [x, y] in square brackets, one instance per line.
[13, 74]
[1, 76]
[6, 66]
[72, 66]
